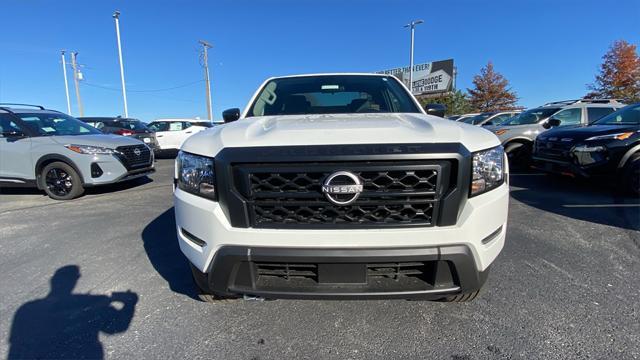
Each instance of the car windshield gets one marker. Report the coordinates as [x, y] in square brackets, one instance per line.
[532, 116]
[50, 124]
[332, 94]
[206, 124]
[629, 115]
[129, 124]
[477, 119]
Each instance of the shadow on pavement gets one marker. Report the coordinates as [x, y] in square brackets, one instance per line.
[587, 200]
[102, 189]
[161, 244]
[64, 325]
[166, 154]
[21, 191]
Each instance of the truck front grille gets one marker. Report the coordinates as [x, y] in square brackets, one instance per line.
[290, 195]
[134, 156]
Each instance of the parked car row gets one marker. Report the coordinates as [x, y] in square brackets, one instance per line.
[606, 148]
[62, 155]
[588, 138]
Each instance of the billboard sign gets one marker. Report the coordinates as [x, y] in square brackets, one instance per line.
[428, 78]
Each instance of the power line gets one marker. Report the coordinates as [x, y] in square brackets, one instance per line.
[145, 91]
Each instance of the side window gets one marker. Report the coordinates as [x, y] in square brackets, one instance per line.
[175, 126]
[159, 126]
[595, 113]
[500, 118]
[569, 116]
[7, 126]
[186, 125]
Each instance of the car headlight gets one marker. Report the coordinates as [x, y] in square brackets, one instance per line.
[90, 150]
[618, 136]
[196, 175]
[487, 170]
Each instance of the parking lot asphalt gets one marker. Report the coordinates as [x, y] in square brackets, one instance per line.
[565, 286]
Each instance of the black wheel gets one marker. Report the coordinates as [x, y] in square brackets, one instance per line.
[519, 155]
[204, 294]
[462, 297]
[631, 176]
[61, 182]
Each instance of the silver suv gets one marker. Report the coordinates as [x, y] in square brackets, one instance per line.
[62, 155]
[518, 134]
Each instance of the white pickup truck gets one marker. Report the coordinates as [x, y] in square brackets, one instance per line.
[340, 186]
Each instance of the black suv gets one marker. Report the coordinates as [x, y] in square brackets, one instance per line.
[124, 126]
[608, 147]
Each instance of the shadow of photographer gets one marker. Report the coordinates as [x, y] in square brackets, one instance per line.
[67, 325]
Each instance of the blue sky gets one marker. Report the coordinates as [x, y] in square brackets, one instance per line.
[548, 50]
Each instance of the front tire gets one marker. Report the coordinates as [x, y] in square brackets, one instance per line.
[204, 294]
[519, 155]
[61, 181]
[462, 297]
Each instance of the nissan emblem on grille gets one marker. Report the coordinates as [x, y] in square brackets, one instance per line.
[137, 151]
[342, 188]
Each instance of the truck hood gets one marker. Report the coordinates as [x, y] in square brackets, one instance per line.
[335, 129]
[104, 140]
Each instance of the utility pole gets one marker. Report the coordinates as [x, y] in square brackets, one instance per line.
[205, 47]
[76, 80]
[66, 83]
[455, 77]
[412, 26]
[116, 16]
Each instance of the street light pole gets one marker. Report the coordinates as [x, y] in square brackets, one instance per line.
[116, 16]
[66, 83]
[76, 80]
[206, 46]
[412, 26]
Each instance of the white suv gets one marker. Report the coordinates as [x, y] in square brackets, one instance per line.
[171, 133]
[340, 186]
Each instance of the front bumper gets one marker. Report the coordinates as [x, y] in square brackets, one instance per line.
[112, 170]
[299, 273]
[205, 235]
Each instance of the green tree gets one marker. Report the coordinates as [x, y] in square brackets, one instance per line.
[619, 75]
[491, 91]
[457, 102]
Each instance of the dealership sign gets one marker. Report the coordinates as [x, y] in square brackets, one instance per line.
[428, 78]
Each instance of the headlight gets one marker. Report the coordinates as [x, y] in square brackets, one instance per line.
[487, 170]
[196, 175]
[618, 136]
[90, 150]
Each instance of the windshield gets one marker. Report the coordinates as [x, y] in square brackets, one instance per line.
[532, 116]
[332, 94]
[49, 124]
[629, 115]
[477, 119]
[126, 124]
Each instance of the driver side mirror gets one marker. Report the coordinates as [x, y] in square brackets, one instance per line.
[553, 122]
[231, 115]
[435, 109]
[488, 123]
